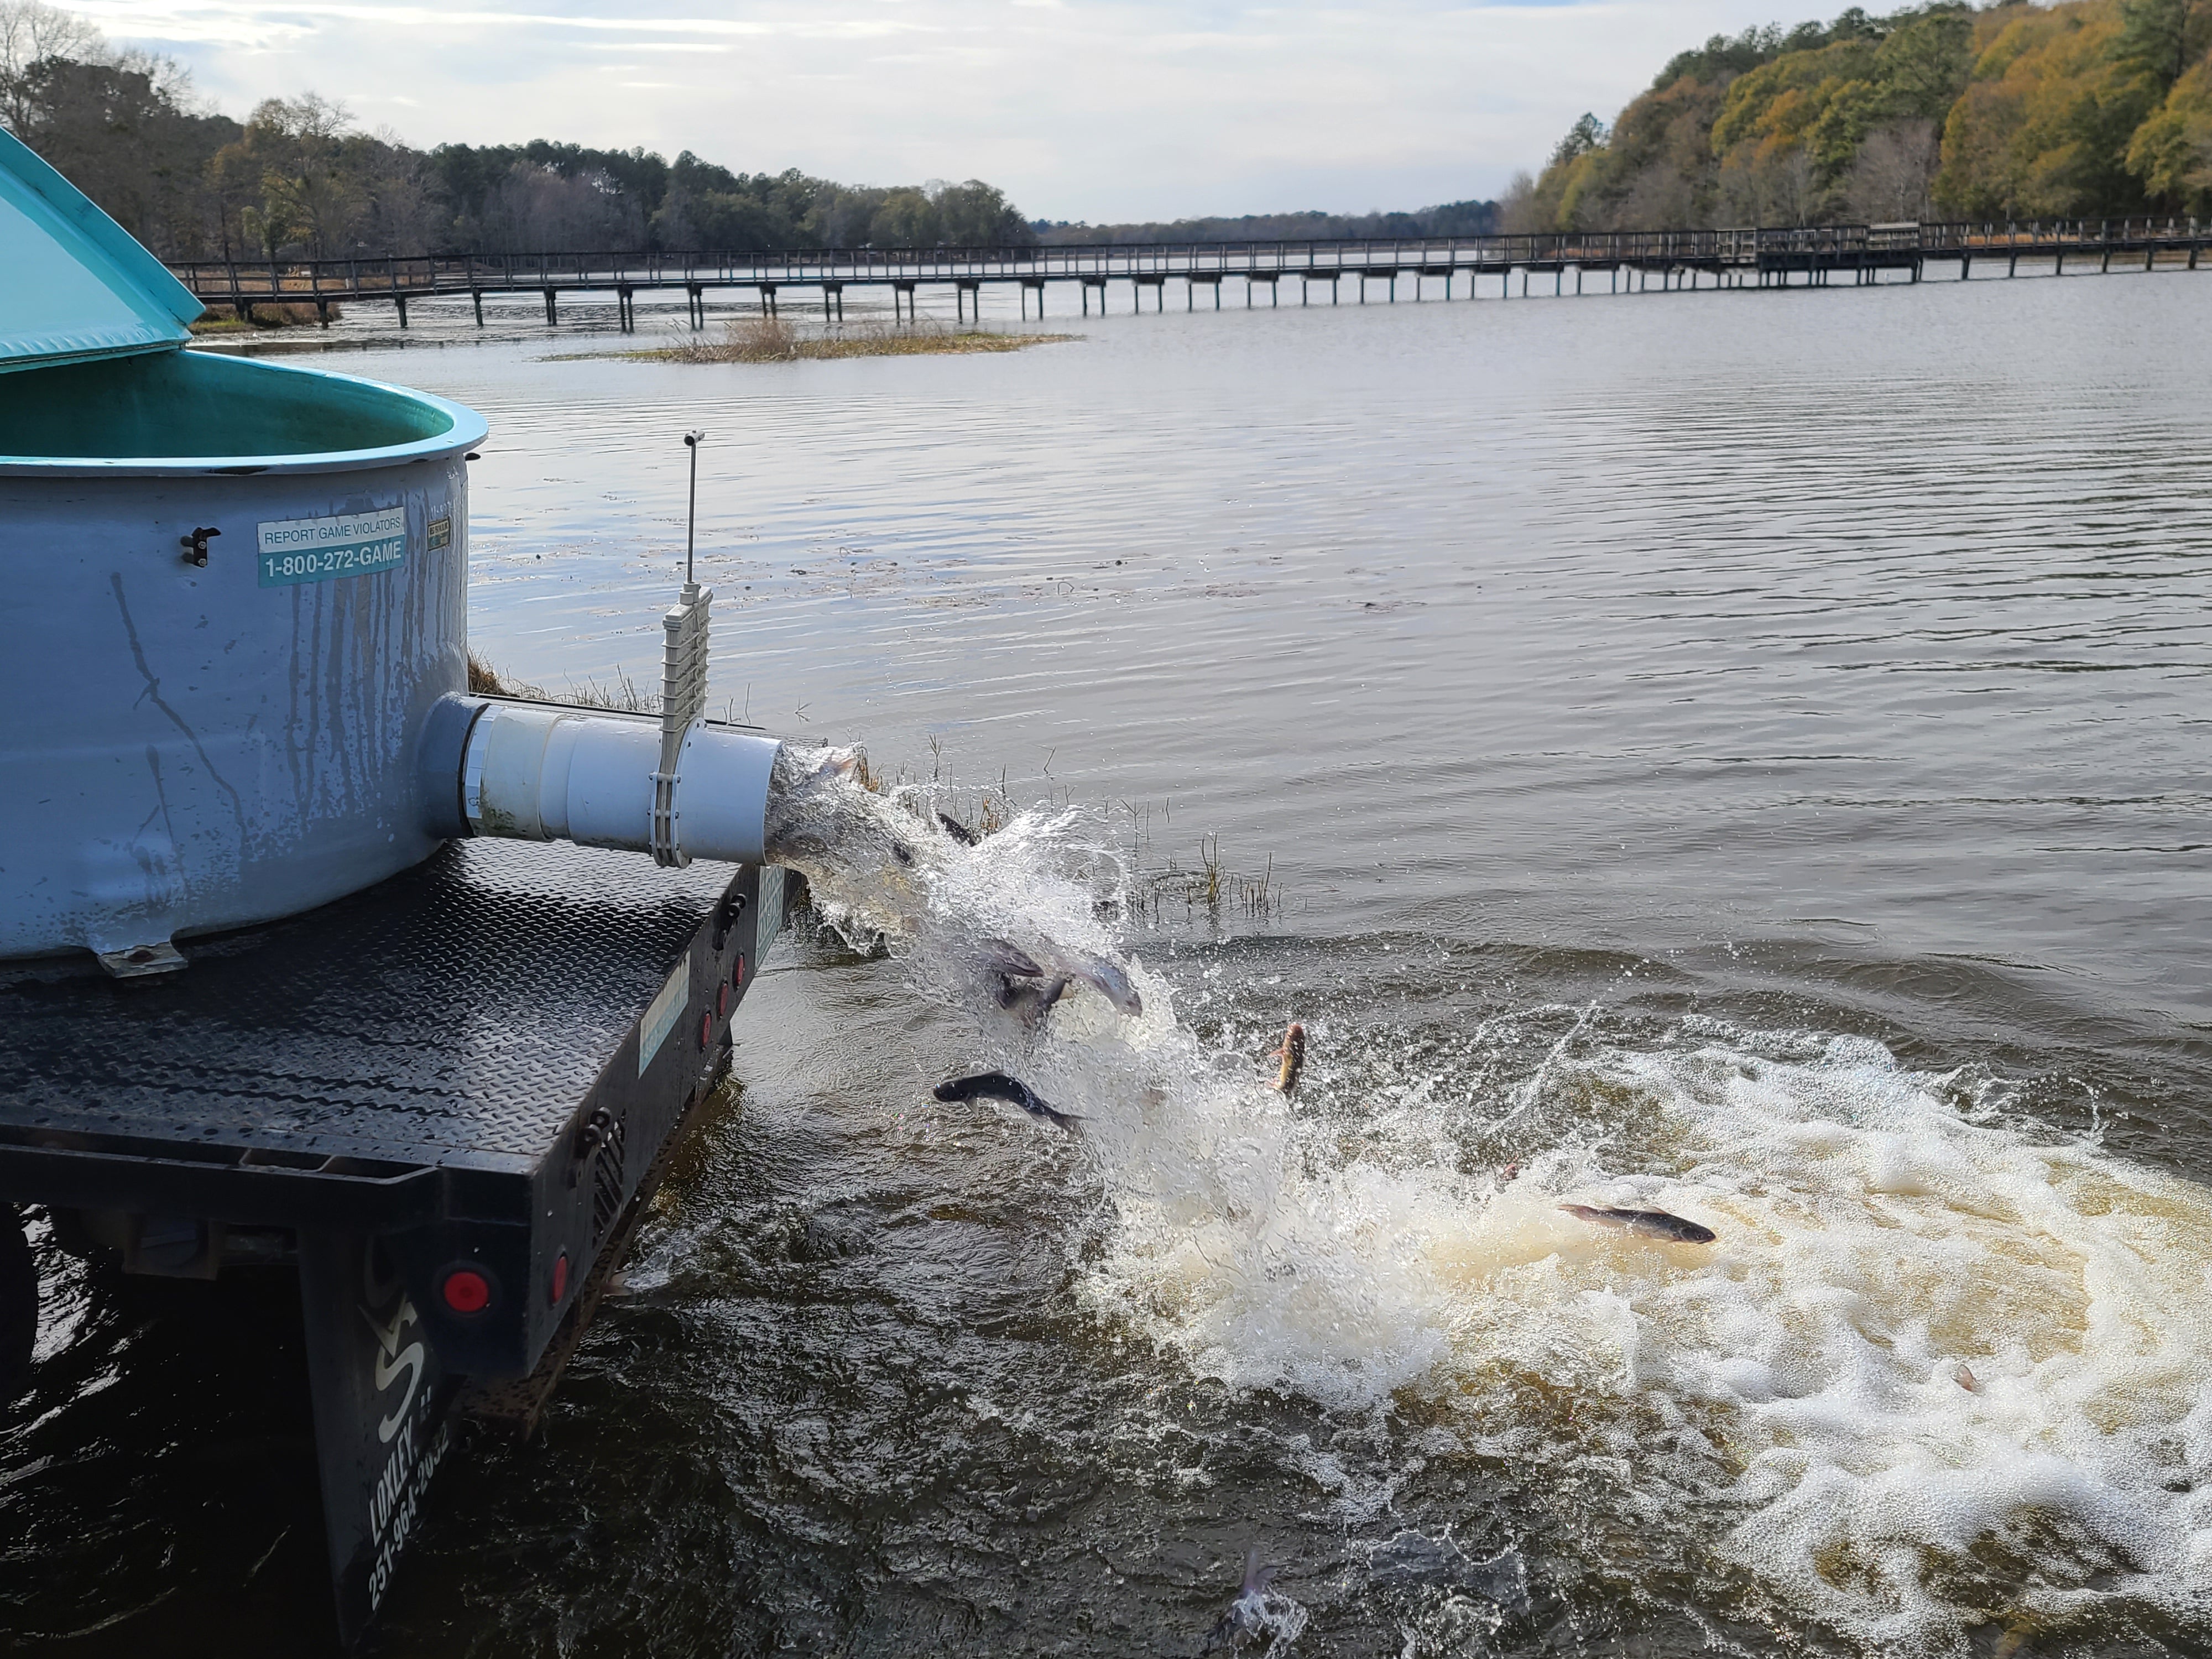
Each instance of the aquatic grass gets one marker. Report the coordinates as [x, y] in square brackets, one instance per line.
[225, 320]
[979, 813]
[623, 696]
[485, 681]
[773, 340]
[1211, 887]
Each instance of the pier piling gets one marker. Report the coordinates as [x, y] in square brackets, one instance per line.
[1737, 259]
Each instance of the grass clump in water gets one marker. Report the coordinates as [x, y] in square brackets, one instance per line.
[772, 340]
[288, 313]
[623, 696]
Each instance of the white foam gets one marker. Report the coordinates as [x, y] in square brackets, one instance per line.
[1878, 1251]
[1877, 1242]
[1793, 1399]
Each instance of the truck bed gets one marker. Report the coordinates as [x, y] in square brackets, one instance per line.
[475, 1060]
[453, 1017]
[446, 1098]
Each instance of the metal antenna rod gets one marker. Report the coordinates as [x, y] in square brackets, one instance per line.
[691, 441]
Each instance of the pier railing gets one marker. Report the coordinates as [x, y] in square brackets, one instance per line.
[426, 274]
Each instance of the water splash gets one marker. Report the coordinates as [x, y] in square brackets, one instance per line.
[883, 866]
[1942, 1368]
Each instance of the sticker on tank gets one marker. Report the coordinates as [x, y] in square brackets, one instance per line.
[319, 550]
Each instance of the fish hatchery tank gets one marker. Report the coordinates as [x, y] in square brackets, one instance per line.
[234, 591]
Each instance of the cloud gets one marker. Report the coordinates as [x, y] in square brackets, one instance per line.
[179, 18]
[1082, 109]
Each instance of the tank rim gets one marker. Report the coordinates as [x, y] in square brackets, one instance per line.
[467, 430]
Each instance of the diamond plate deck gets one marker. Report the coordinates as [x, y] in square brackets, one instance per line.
[452, 1016]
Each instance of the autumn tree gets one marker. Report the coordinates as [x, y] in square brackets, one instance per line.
[2170, 42]
[2044, 128]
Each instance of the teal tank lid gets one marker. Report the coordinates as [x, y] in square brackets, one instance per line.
[74, 284]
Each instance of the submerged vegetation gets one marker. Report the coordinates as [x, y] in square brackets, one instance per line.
[2083, 109]
[772, 340]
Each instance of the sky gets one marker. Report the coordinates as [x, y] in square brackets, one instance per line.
[1082, 110]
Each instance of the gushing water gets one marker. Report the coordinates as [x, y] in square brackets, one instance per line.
[1940, 1369]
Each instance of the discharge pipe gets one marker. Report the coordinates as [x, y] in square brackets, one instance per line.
[534, 771]
[672, 785]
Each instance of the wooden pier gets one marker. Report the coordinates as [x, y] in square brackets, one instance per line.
[1480, 266]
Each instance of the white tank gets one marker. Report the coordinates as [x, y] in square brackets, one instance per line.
[230, 595]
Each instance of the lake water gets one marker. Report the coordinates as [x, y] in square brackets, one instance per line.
[1742, 752]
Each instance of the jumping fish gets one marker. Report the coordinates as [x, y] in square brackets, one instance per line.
[997, 1086]
[819, 812]
[1005, 957]
[1292, 1053]
[1006, 963]
[959, 831]
[1108, 978]
[1653, 1223]
[1029, 1003]
[1017, 984]
[1248, 1611]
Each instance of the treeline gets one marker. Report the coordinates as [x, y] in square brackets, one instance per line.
[2087, 108]
[299, 179]
[1450, 219]
[522, 198]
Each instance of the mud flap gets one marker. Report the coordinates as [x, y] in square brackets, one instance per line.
[381, 1424]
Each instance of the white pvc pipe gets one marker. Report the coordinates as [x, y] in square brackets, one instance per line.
[538, 773]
